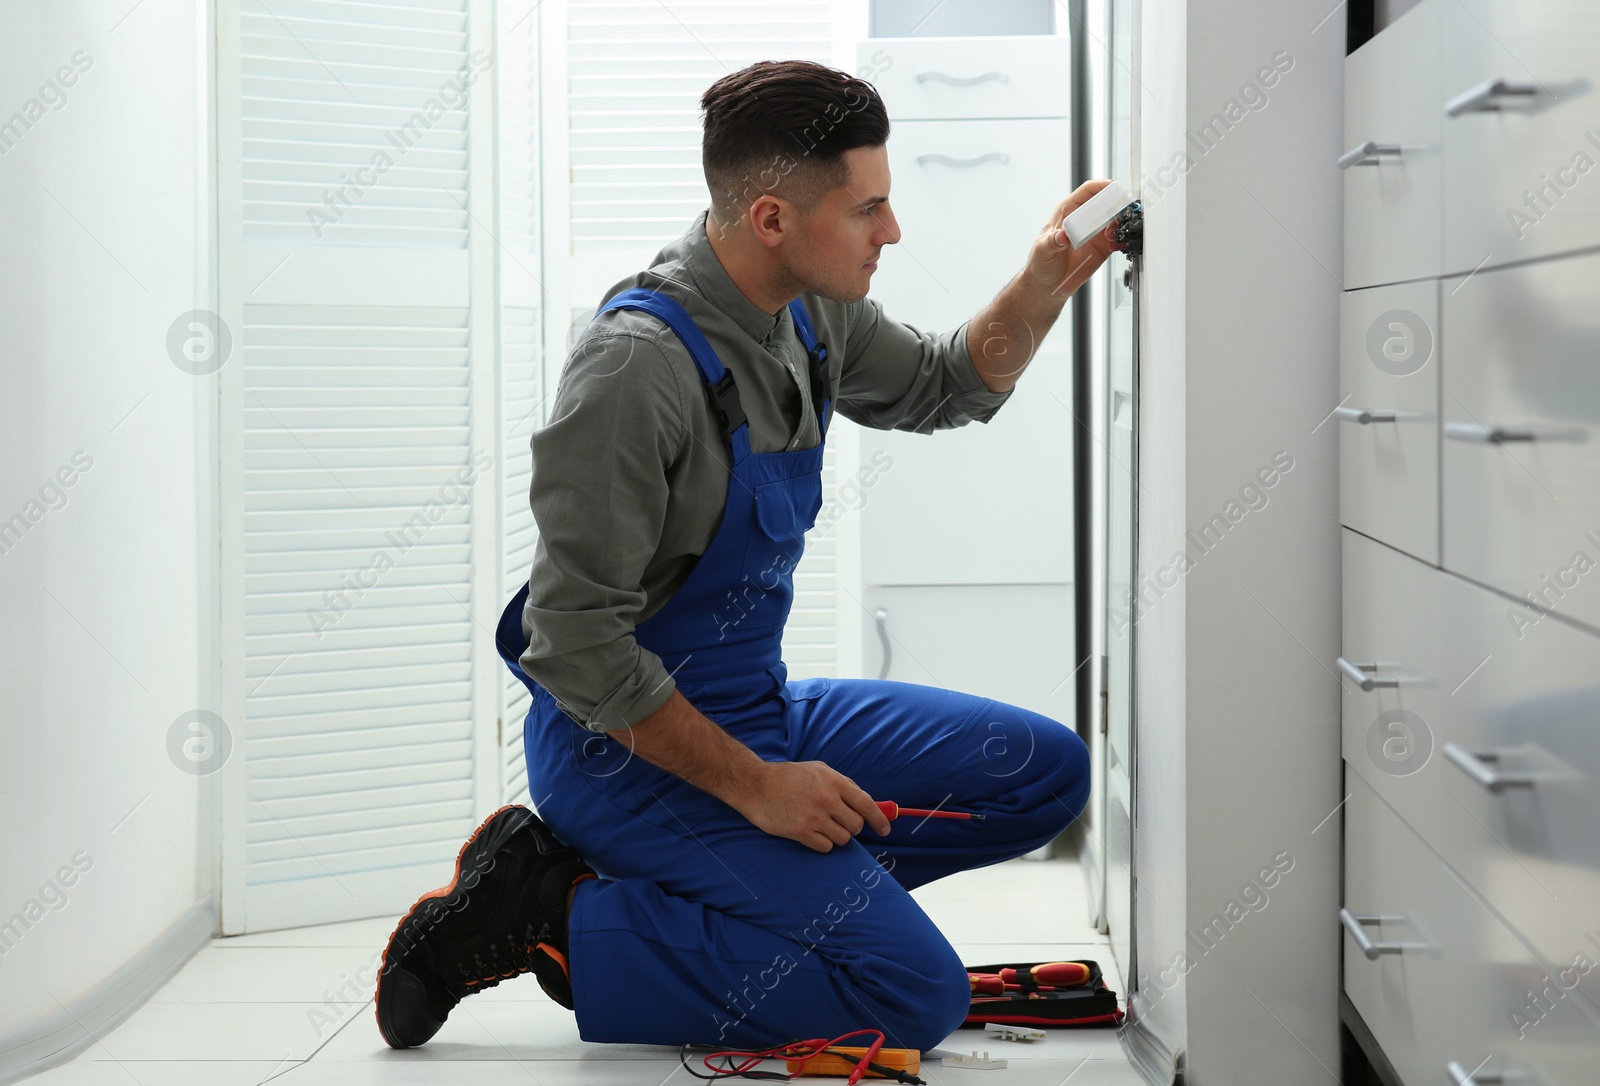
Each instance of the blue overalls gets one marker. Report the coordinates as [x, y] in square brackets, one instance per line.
[704, 928]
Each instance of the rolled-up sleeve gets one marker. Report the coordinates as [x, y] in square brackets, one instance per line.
[599, 494]
[895, 377]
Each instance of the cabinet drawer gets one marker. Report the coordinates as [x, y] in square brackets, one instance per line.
[1018, 641]
[1391, 192]
[1389, 415]
[1450, 983]
[1385, 867]
[1521, 418]
[945, 78]
[1503, 1010]
[1522, 148]
[951, 262]
[1482, 730]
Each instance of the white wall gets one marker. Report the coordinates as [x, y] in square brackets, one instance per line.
[105, 204]
[1238, 748]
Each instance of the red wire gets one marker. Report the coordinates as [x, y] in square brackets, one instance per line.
[799, 1051]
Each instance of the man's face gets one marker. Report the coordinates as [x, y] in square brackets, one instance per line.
[835, 251]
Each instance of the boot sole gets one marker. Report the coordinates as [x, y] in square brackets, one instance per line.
[481, 843]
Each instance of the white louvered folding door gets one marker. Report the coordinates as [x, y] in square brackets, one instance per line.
[364, 412]
[521, 398]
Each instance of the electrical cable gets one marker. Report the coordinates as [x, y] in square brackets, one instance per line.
[799, 1050]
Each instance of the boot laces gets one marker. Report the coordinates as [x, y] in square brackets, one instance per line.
[508, 955]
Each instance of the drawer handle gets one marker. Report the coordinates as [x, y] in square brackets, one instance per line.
[1481, 434]
[964, 163]
[1364, 415]
[1361, 673]
[1368, 154]
[1460, 1076]
[962, 81]
[1489, 96]
[1487, 435]
[1355, 925]
[1475, 764]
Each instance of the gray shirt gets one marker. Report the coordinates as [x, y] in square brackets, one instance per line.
[630, 474]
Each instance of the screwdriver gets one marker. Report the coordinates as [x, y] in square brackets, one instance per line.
[892, 810]
[1046, 977]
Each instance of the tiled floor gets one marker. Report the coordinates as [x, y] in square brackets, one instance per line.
[286, 1006]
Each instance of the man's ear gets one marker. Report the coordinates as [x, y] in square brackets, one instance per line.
[770, 218]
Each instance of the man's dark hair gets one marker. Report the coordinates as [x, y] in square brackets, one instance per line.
[783, 126]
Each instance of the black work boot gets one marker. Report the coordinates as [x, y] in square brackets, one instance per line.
[504, 914]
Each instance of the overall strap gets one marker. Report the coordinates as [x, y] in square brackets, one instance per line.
[817, 357]
[719, 386]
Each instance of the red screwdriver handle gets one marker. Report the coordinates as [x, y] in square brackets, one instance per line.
[892, 810]
[1052, 974]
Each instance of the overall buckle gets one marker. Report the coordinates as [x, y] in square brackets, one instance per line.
[818, 358]
[725, 403]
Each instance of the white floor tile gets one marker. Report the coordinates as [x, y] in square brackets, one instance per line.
[1066, 1072]
[85, 1071]
[480, 1030]
[362, 933]
[1059, 1044]
[498, 1073]
[1018, 901]
[218, 1031]
[276, 975]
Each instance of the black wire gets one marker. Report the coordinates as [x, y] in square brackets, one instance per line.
[887, 1072]
[683, 1058]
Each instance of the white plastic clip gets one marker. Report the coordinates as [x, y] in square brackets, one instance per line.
[1096, 213]
[973, 1061]
[1016, 1033]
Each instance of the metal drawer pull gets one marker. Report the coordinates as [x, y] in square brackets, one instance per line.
[1475, 764]
[1460, 1076]
[1501, 435]
[962, 163]
[1368, 154]
[1364, 415]
[1487, 435]
[1489, 96]
[1361, 674]
[962, 81]
[1355, 925]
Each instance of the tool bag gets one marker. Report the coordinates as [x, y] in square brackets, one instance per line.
[1087, 1003]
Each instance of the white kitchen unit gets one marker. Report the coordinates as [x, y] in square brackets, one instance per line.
[1005, 642]
[1521, 429]
[977, 519]
[1470, 498]
[1521, 130]
[1392, 133]
[1389, 415]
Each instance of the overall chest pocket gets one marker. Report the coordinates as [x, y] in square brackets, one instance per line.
[786, 509]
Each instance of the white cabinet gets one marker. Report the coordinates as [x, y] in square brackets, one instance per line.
[1521, 130]
[1444, 985]
[1005, 642]
[979, 157]
[1471, 693]
[977, 78]
[1389, 415]
[1391, 160]
[1386, 896]
[1521, 411]
[1478, 729]
[971, 197]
